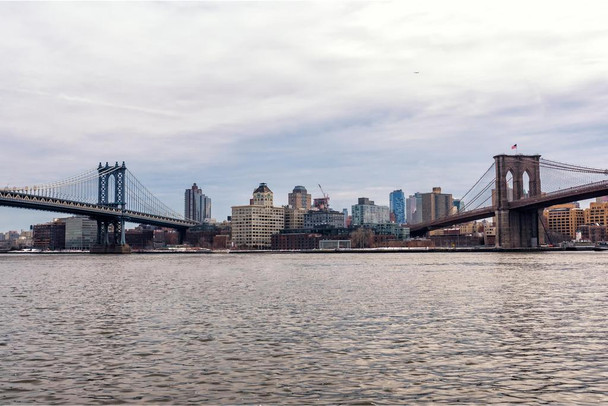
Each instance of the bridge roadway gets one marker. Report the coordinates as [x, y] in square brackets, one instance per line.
[562, 196]
[15, 199]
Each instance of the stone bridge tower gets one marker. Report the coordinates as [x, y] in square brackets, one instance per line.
[517, 228]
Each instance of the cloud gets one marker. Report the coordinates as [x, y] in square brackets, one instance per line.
[231, 94]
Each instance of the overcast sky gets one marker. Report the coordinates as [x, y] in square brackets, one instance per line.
[360, 97]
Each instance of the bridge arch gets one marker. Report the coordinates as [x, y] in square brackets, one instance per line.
[112, 189]
[509, 180]
[525, 184]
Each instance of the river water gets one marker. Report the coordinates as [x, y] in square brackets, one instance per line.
[304, 328]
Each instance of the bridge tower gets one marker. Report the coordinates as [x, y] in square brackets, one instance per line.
[111, 192]
[517, 228]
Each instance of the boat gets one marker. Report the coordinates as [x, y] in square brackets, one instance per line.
[601, 246]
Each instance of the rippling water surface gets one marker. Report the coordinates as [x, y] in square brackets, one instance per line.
[348, 328]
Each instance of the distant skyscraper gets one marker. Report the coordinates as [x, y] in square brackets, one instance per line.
[197, 206]
[414, 208]
[436, 205]
[423, 207]
[397, 205]
[603, 199]
[457, 205]
[299, 198]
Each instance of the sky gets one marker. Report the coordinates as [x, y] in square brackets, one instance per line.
[360, 97]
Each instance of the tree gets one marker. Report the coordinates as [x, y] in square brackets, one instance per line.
[362, 238]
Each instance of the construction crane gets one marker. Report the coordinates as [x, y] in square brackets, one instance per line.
[325, 195]
[323, 202]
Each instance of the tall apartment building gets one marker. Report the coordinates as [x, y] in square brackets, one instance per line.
[436, 205]
[565, 219]
[366, 212]
[254, 224]
[299, 198]
[397, 205]
[197, 206]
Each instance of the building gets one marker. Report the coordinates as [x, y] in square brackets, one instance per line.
[319, 218]
[253, 225]
[346, 218]
[564, 219]
[299, 198]
[366, 212]
[80, 233]
[206, 235]
[397, 205]
[197, 206]
[140, 238]
[295, 241]
[294, 218]
[597, 213]
[49, 236]
[413, 209]
[334, 244]
[392, 229]
[457, 206]
[436, 205]
[593, 232]
[489, 235]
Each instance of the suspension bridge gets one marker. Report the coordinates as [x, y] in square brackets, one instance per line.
[112, 195]
[510, 190]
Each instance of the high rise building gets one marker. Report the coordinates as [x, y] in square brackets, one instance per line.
[366, 212]
[423, 207]
[414, 208]
[197, 206]
[253, 225]
[299, 198]
[397, 205]
[602, 199]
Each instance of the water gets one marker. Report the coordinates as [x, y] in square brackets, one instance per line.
[301, 329]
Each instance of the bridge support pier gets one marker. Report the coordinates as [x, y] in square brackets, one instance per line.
[118, 244]
[182, 235]
[517, 228]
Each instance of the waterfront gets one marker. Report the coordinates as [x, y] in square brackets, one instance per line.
[297, 328]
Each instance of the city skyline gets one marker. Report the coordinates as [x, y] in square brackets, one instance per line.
[361, 98]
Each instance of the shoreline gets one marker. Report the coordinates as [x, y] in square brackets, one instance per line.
[381, 250]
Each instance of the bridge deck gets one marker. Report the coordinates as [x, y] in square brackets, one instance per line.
[15, 199]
